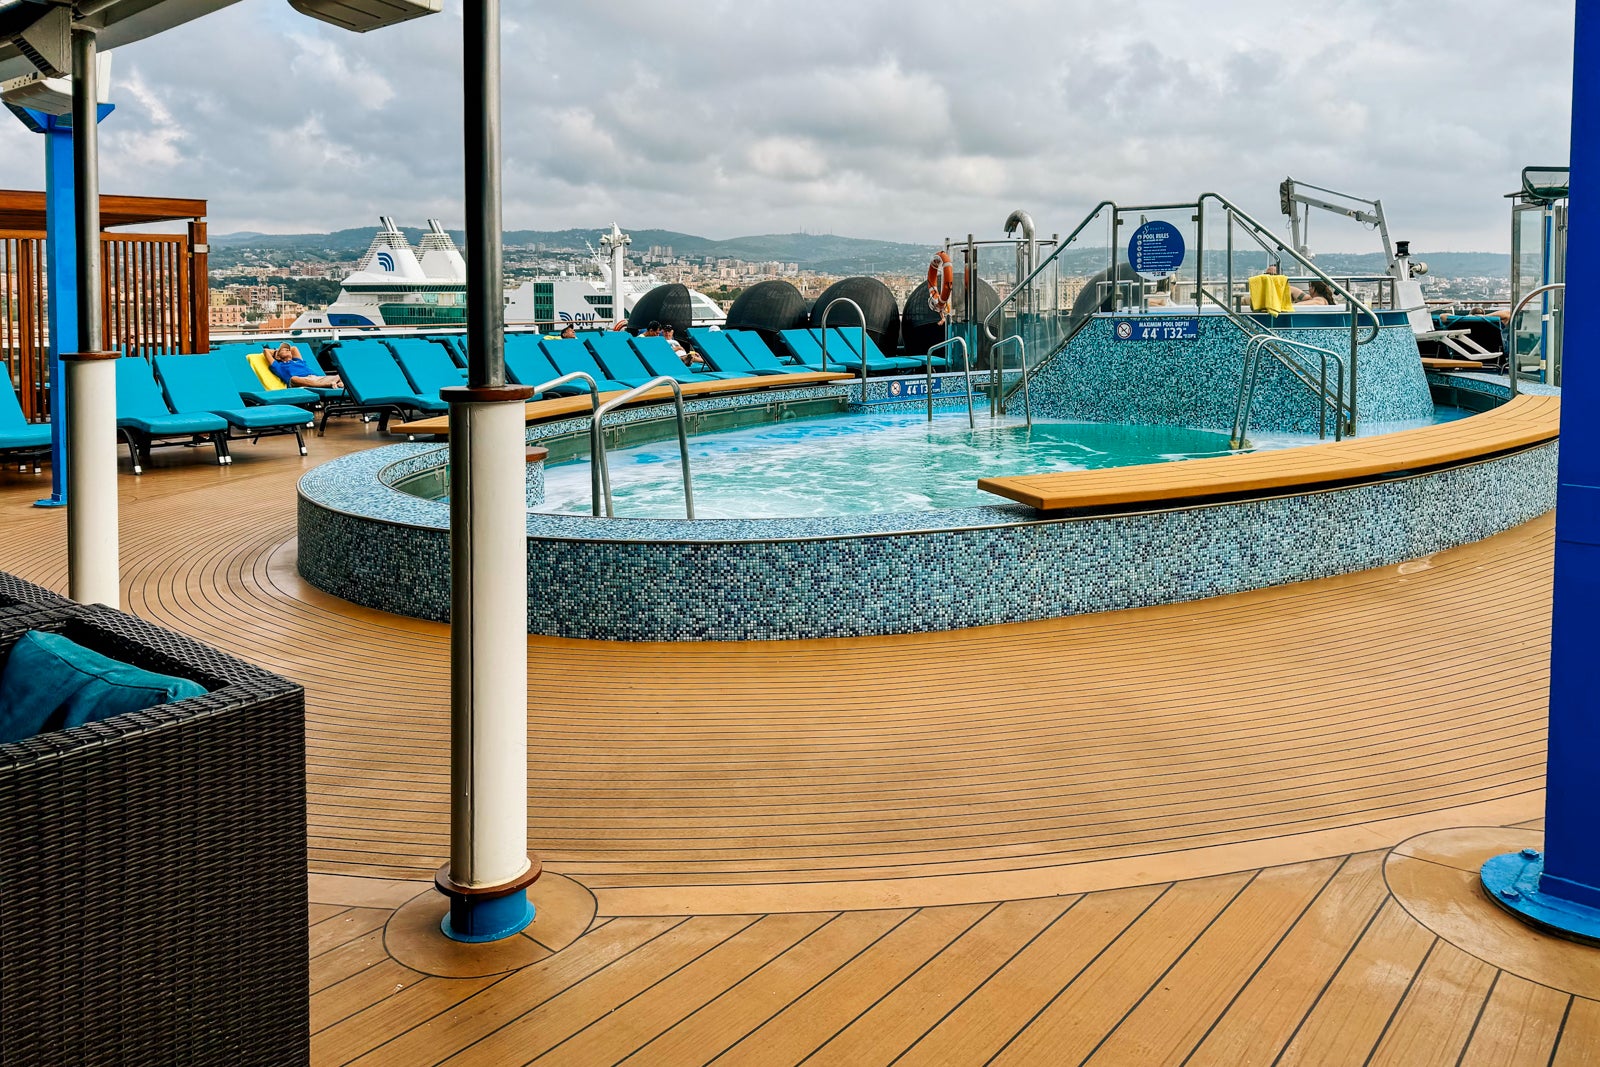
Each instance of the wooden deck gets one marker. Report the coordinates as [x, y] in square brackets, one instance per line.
[1149, 837]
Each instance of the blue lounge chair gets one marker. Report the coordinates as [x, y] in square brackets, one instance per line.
[659, 358]
[144, 420]
[616, 355]
[807, 351]
[754, 348]
[199, 384]
[572, 355]
[876, 360]
[526, 363]
[236, 358]
[374, 384]
[720, 351]
[19, 438]
[427, 365]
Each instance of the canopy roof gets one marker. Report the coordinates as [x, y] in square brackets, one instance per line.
[23, 210]
[119, 22]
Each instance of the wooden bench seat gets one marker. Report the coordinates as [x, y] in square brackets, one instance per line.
[1521, 422]
[560, 407]
[1434, 363]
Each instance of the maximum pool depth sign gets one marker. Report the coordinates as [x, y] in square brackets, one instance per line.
[1156, 250]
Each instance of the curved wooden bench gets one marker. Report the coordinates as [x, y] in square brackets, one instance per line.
[559, 407]
[1521, 422]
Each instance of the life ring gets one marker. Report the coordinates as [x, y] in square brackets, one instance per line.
[941, 283]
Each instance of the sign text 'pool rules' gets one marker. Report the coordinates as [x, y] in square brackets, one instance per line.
[1145, 328]
[1155, 250]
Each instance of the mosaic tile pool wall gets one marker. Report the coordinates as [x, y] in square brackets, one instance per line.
[1195, 382]
[637, 580]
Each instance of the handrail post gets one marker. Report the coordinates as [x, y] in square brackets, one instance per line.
[860, 315]
[683, 438]
[966, 367]
[594, 422]
[1022, 353]
[1350, 304]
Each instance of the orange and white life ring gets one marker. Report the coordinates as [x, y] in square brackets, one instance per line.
[941, 283]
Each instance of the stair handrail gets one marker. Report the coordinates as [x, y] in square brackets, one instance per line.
[966, 369]
[596, 478]
[1251, 372]
[1263, 232]
[1060, 247]
[683, 439]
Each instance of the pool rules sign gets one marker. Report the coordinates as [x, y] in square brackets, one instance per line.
[1155, 251]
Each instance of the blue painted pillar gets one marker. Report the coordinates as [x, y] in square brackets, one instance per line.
[1559, 890]
[61, 276]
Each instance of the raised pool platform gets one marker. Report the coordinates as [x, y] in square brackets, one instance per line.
[366, 540]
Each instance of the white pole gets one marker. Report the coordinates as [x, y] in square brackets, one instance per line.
[489, 862]
[617, 263]
[92, 565]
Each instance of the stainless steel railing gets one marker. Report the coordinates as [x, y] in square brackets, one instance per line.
[1512, 369]
[860, 315]
[998, 406]
[1251, 372]
[966, 369]
[599, 442]
[595, 475]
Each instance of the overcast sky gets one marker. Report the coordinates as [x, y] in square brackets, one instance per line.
[900, 121]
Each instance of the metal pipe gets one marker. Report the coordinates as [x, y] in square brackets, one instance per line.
[89, 391]
[966, 367]
[1511, 328]
[486, 365]
[683, 438]
[594, 424]
[860, 315]
[1022, 354]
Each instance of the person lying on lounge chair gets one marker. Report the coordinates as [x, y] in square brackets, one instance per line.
[287, 364]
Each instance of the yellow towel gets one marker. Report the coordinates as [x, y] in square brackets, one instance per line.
[1270, 292]
[270, 381]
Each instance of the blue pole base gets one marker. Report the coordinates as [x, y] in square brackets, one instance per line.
[1513, 881]
[51, 502]
[479, 914]
[476, 919]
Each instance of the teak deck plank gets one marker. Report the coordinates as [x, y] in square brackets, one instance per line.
[1520, 422]
[890, 847]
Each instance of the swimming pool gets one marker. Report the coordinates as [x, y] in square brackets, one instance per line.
[859, 464]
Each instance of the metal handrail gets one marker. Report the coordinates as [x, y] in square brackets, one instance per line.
[1251, 372]
[1237, 213]
[862, 315]
[1511, 330]
[595, 479]
[966, 369]
[1000, 375]
[683, 439]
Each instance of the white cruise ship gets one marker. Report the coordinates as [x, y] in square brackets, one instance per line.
[394, 285]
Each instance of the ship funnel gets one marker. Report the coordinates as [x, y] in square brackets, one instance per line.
[387, 222]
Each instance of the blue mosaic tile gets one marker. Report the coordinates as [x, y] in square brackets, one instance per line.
[844, 576]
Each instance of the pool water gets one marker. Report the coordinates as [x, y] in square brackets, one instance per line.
[860, 464]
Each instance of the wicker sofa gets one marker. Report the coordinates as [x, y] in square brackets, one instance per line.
[153, 865]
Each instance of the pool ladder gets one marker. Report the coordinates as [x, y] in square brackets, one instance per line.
[599, 467]
[1251, 374]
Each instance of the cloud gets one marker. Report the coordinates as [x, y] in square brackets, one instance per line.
[726, 118]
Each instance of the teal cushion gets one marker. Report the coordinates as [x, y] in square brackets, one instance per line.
[51, 683]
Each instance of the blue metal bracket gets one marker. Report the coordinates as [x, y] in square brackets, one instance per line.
[1515, 881]
[61, 274]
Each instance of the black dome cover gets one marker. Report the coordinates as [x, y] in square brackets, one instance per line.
[768, 306]
[666, 304]
[877, 303]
